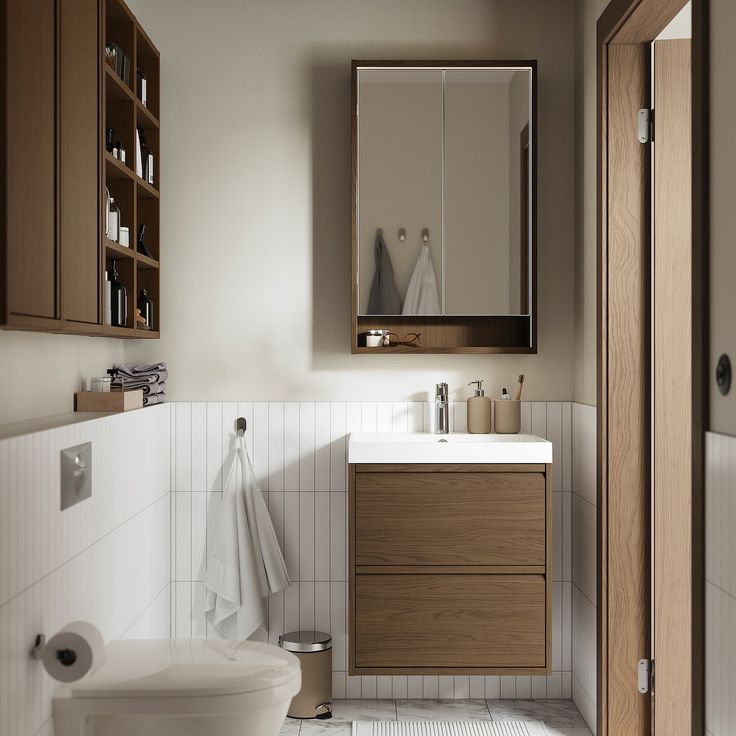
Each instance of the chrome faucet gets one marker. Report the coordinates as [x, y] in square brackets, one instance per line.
[441, 410]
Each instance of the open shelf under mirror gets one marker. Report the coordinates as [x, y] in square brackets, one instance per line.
[444, 205]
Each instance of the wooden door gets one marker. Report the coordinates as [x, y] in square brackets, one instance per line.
[28, 245]
[624, 395]
[672, 370]
[79, 162]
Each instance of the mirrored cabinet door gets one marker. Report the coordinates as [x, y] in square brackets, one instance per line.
[400, 181]
[443, 206]
[486, 211]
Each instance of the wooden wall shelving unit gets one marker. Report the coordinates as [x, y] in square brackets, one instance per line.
[137, 199]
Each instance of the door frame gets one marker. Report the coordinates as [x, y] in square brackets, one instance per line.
[623, 346]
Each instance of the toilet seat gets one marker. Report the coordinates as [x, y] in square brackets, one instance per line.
[185, 668]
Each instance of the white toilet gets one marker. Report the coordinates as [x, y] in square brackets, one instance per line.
[171, 687]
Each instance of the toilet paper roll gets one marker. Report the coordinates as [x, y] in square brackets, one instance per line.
[74, 652]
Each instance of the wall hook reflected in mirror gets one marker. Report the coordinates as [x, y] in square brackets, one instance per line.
[402, 235]
[425, 235]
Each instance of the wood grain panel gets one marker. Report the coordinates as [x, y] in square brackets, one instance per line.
[30, 158]
[672, 385]
[626, 388]
[648, 20]
[79, 160]
[450, 621]
[450, 519]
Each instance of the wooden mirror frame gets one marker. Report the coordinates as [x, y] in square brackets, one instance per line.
[440, 333]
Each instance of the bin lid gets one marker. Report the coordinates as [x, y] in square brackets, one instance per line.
[305, 641]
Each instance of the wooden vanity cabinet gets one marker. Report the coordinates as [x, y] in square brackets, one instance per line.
[450, 569]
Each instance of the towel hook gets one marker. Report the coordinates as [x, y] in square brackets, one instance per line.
[241, 426]
[402, 235]
[425, 235]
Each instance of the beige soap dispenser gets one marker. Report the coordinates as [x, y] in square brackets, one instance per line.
[479, 410]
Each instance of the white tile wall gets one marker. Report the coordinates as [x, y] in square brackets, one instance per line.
[720, 586]
[299, 454]
[105, 560]
[584, 561]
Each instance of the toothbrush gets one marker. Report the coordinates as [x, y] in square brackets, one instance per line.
[521, 387]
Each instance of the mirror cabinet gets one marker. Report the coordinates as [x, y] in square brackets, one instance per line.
[444, 207]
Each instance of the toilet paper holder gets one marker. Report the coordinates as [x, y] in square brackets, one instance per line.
[67, 657]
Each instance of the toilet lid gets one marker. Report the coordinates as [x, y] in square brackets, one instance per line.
[187, 668]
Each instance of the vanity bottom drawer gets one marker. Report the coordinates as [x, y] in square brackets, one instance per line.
[449, 621]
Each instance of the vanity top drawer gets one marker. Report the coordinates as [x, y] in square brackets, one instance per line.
[449, 518]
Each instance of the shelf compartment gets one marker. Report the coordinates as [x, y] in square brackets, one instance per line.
[120, 29]
[147, 60]
[115, 88]
[148, 279]
[148, 215]
[120, 116]
[145, 118]
[116, 169]
[449, 334]
[151, 137]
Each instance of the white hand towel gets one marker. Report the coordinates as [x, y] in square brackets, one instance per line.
[246, 564]
[421, 296]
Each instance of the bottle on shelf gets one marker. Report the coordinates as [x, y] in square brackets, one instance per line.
[113, 221]
[145, 170]
[142, 247]
[142, 87]
[145, 305]
[118, 298]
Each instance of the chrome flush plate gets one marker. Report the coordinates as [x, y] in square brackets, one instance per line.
[76, 474]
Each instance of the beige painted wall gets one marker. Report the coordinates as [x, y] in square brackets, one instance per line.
[255, 178]
[586, 16]
[40, 373]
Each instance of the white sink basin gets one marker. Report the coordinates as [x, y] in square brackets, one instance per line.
[448, 448]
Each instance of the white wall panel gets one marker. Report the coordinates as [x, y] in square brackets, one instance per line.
[583, 560]
[720, 587]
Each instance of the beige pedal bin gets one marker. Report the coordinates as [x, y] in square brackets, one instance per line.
[314, 651]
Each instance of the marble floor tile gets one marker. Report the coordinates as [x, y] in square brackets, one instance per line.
[554, 713]
[290, 728]
[561, 731]
[363, 710]
[442, 710]
[326, 728]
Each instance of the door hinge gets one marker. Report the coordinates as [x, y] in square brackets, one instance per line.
[645, 679]
[645, 125]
